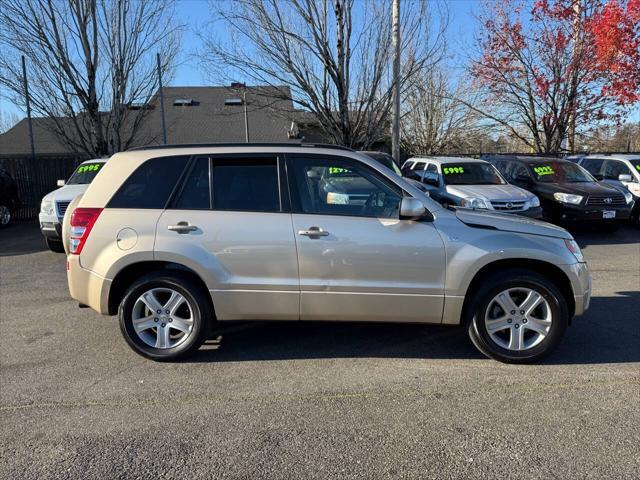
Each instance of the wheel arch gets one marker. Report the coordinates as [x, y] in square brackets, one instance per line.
[548, 270]
[129, 274]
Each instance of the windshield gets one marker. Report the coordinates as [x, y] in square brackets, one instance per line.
[560, 172]
[387, 161]
[85, 173]
[471, 174]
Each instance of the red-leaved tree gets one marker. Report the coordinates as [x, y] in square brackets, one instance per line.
[557, 67]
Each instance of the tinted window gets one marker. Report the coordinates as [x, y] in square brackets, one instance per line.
[246, 184]
[560, 172]
[195, 194]
[614, 168]
[513, 170]
[334, 186]
[85, 173]
[151, 184]
[419, 166]
[592, 165]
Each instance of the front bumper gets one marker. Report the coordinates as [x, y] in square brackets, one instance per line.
[579, 213]
[87, 287]
[535, 212]
[580, 278]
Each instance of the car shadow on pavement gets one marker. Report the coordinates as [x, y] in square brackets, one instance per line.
[591, 236]
[21, 238]
[608, 333]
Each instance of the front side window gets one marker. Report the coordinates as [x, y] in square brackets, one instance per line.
[471, 174]
[515, 171]
[85, 173]
[614, 168]
[151, 184]
[431, 174]
[419, 166]
[246, 184]
[335, 186]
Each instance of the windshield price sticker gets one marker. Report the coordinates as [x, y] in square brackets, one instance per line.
[543, 171]
[638, 167]
[337, 170]
[452, 170]
[93, 167]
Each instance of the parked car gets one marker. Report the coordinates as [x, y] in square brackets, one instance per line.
[619, 170]
[567, 192]
[9, 200]
[387, 160]
[54, 204]
[472, 183]
[176, 239]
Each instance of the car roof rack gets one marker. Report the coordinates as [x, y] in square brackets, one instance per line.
[242, 144]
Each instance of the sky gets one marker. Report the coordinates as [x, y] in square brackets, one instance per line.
[196, 14]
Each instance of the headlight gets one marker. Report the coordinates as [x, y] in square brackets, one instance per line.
[476, 203]
[534, 202]
[628, 197]
[575, 249]
[47, 207]
[568, 198]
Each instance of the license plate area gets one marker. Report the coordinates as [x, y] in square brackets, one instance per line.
[608, 214]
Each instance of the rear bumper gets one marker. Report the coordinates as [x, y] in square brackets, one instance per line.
[87, 287]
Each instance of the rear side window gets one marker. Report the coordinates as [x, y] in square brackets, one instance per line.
[195, 193]
[246, 184]
[592, 165]
[151, 184]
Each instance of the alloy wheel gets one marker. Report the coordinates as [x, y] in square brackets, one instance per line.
[5, 215]
[162, 318]
[518, 319]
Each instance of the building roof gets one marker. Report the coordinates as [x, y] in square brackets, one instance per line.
[192, 115]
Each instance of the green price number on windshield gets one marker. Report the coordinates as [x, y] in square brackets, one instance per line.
[452, 170]
[337, 170]
[638, 167]
[543, 171]
[89, 168]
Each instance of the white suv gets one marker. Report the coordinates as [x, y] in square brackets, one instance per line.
[176, 239]
[54, 204]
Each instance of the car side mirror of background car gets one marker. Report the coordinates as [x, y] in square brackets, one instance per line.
[523, 180]
[60, 183]
[431, 181]
[625, 177]
[411, 208]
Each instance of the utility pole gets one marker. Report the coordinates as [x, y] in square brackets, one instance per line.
[246, 115]
[164, 125]
[28, 102]
[395, 41]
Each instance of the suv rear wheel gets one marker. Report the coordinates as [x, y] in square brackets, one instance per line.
[518, 317]
[5, 215]
[165, 316]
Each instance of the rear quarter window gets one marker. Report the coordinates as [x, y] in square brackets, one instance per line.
[151, 184]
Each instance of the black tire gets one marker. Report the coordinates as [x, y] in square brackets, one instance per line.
[495, 284]
[5, 209]
[55, 245]
[198, 301]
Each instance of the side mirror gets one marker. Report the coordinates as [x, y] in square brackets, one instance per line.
[431, 181]
[60, 183]
[523, 180]
[411, 208]
[625, 177]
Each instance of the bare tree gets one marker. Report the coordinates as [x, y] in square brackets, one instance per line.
[90, 62]
[8, 120]
[335, 56]
[435, 119]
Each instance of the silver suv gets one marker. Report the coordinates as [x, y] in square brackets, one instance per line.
[176, 239]
[471, 183]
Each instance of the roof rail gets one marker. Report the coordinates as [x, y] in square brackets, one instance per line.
[242, 144]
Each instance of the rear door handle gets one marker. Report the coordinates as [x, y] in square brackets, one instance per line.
[314, 232]
[182, 227]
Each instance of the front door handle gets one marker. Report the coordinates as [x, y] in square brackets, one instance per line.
[182, 227]
[314, 232]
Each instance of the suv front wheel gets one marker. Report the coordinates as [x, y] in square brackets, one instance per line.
[165, 316]
[518, 317]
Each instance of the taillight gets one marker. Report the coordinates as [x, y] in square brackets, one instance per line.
[82, 221]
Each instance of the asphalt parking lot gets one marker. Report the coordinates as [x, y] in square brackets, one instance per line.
[319, 400]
